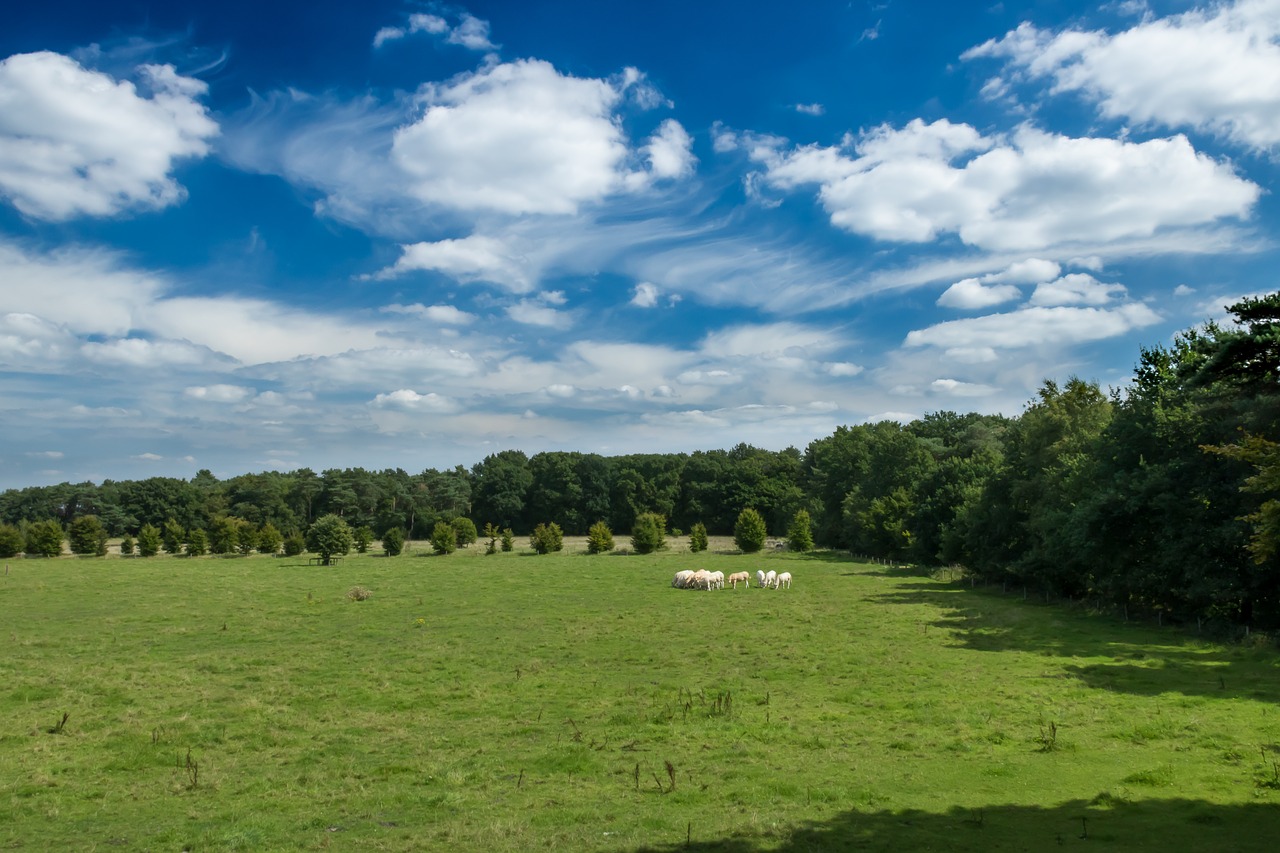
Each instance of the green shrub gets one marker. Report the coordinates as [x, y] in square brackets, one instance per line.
[246, 538]
[294, 544]
[269, 539]
[362, 537]
[88, 536]
[465, 528]
[800, 536]
[749, 532]
[148, 541]
[43, 539]
[126, 546]
[648, 532]
[197, 542]
[444, 538]
[599, 538]
[11, 541]
[491, 533]
[172, 536]
[393, 542]
[698, 538]
[508, 539]
[547, 538]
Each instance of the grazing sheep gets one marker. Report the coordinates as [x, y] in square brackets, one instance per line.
[701, 579]
[760, 577]
[717, 580]
[745, 577]
[784, 579]
[681, 580]
[770, 579]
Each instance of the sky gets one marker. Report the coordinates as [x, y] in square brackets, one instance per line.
[265, 236]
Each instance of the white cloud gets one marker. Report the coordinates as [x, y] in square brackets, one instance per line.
[811, 109]
[1034, 190]
[1214, 68]
[1032, 327]
[409, 400]
[1183, 290]
[467, 259]
[1030, 271]
[219, 393]
[138, 352]
[75, 142]
[561, 391]
[148, 457]
[447, 315]
[516, 138]
[1076, 289]
[531, 313]
[956, 388]
[46, 454]
[471, 32]
[645, 295]
[769, 340]
[970, 293]
[670, 152]
[842, 368]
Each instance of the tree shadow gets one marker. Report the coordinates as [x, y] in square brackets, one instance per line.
[1139, 659]
[1101, 824]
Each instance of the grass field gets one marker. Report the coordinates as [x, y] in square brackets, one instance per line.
[520, 702]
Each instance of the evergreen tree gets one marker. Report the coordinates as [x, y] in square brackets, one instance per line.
[547, 538]
[43, 539]
[329, 537]
[749, 532]
[393, 542]
[149, 541]
[444, 538]
[197, 542]
[11, 540]
[599, 538]
[698, 537]
[648, 533]
[800, 535]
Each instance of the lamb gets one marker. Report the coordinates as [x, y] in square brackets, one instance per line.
[760, 577]
[770, 579]
[717, 580]
[745, 577]
[783, 579]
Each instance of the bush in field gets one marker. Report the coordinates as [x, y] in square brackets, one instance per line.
[294, 544]
[246, 538]
[648, 532]
[444, 538]
[197, 542]
[749, 532]
[88, 536]
[223, 535]
[547, 538]
[800, 536]
[491, 533]
[363, 538]
[43, 539]
[508, 539]
[599, 538]
[149, 541]
[126, 546]
[466, 530]
[329, 537]
[269, 539]
[698, 538]
[172, 536]
[393, 542]
[11, 541]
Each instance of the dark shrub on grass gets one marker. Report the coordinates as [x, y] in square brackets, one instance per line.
[11, 541]
[465, 529]
[547, 538]
[698, 538]
[648, 532]
[444, 538]
[749, 533]
[393, 542]
[44, 539]
[294, 544]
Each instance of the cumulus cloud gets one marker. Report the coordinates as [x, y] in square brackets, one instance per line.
[645, 295]
[971, 293]
[219, 393]
[1036, 326]
[1215, 68]
[467, 259]
[142, 353]
[956, 388]
[1032, 190]
[1076, 289]
[533, 313]
[470, 32]
[76, 142]
[516, 138]
[409, 400]
[447, 315]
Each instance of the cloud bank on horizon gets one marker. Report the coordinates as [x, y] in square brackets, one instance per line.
[411, 235]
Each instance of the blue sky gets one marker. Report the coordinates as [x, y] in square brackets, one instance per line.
[247, 236]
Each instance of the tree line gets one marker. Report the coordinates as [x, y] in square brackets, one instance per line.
[1158, 498]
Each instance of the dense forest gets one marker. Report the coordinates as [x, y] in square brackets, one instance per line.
[1157, 499]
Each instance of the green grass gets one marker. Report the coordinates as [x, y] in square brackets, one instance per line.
[518, 702]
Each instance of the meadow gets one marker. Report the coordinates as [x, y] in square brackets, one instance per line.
[519, 702]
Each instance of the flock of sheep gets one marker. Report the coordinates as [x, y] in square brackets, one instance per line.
[703, 579]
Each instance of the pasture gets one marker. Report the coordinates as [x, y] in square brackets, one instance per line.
[519, 702]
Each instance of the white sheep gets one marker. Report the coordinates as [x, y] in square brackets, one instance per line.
[681, 580]
[783, 579]
[701, 579]
[770, 579]
[717, 580]
[760, 577]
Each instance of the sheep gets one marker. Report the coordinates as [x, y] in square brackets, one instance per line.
[717, 580]
[760, 577]
[745, 577]
[681, 580]
[701, 580]
[770, 579]
[783, 579]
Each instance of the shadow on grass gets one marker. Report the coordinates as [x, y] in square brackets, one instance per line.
[1104, 824]
[1138, 659]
